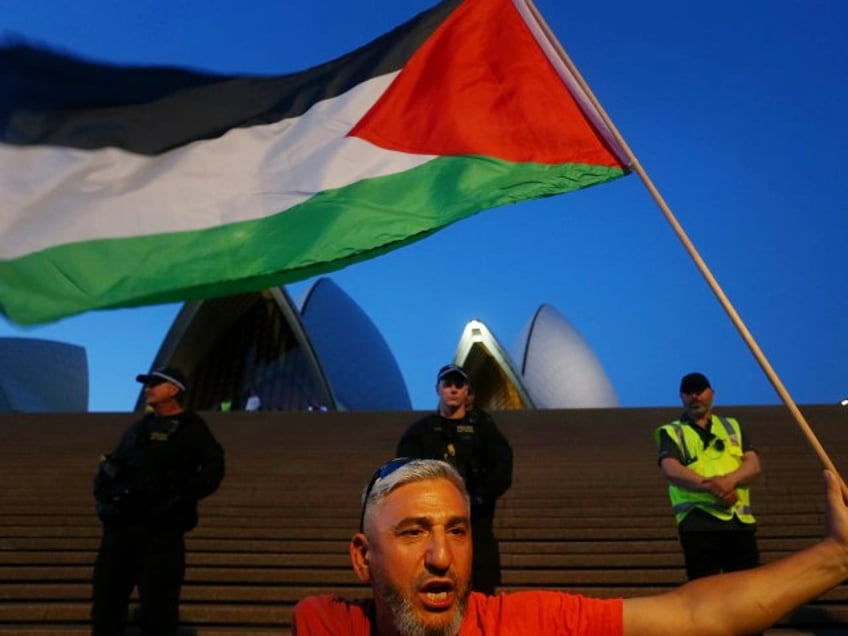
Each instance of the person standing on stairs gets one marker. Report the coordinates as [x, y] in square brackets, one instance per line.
[709, 463]
[469, 440]
[147, 491]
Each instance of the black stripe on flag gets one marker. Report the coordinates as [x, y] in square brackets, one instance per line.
[57, 100]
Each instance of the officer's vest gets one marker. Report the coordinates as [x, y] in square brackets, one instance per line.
[709, 462]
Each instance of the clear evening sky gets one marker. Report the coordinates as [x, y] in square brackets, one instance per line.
[735, 109]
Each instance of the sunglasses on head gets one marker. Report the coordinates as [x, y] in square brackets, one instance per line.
[381, 473]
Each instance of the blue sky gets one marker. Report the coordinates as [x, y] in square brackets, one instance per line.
[736, 111]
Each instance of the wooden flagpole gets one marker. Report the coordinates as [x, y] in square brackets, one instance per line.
[693, 252]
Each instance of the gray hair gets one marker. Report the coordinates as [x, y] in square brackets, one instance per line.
[378, 488]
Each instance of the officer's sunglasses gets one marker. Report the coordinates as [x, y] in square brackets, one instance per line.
[457, 382]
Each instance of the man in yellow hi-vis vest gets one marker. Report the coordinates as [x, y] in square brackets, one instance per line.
[709, 462]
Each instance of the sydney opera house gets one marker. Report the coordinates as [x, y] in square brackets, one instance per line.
[325, 353]
[321, 353]
[551, 367]
[42, 376]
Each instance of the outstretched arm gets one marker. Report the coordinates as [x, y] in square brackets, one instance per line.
[749, 601]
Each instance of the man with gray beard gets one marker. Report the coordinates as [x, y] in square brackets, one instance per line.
[414, 549]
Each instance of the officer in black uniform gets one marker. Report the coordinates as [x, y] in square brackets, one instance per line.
[469, 440]
[147, 491]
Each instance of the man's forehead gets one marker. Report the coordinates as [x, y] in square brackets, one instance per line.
[424, 498]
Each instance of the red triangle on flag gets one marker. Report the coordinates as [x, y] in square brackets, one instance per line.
[481, 85]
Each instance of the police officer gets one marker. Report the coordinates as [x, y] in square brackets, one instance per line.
[469, 440]
[147, 491]
[709, 462]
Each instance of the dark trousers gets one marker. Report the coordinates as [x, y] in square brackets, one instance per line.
[486, 563]
[133, 556]
[708, 553]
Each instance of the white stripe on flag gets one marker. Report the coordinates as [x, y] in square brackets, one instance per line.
[56, 196]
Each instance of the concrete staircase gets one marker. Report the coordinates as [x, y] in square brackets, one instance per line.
[587, 512]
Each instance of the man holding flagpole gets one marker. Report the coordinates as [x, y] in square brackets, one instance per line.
[414, 550]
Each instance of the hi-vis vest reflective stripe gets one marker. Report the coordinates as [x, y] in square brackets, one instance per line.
[709, 461]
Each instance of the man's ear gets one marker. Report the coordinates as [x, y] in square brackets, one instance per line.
[358, 549]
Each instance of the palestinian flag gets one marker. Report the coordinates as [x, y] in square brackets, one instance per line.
[129, 186]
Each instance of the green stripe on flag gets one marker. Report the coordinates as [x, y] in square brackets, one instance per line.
[331, 230]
